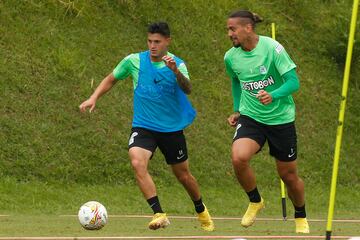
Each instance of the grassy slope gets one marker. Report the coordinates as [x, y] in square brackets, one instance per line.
[52, 49]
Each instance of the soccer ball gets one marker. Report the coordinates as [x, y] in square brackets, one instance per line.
[92, 215]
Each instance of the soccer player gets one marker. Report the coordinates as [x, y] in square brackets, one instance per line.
[161, 112]
[263, 77]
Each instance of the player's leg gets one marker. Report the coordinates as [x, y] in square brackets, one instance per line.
[241, 153]
[139, 161]
[294, 184]
[295, 187]
[283, 146]
[141, 147]
[173, 146]
[182, 172]
[248, 140]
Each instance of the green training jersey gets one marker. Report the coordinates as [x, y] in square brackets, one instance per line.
[260, 68]
[130, 66]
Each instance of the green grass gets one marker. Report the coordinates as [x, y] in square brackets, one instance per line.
[35, 209]
[38, 198]
[58, 226]
[53, 159]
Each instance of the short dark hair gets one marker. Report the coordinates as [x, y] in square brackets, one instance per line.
[252, 17]
[159, 27]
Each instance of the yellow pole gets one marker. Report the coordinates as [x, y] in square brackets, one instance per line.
[341, 118]
[273, 31]
[282, 185]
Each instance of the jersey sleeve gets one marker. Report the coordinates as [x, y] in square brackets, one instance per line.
[122, 70]
[235, 84]
[183, 69]
[291, 85]
[282, 60]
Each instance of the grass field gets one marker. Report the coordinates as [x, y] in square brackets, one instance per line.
[52, 212]
[120, 226]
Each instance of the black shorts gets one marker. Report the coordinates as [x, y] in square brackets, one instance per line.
[281, 138]
[171, 144]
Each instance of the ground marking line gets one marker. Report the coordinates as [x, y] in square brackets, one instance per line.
[173, 237]
[226, 218]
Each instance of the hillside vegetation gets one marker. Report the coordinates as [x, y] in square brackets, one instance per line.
[52, 50]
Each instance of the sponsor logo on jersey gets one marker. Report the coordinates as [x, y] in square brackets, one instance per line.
[257, 85]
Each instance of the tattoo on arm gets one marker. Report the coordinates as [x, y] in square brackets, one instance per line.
[183, 82]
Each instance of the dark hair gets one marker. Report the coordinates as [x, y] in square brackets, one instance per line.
[159, 27]
[253, 18]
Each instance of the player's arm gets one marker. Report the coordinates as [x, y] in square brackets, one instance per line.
[183, 82]
[121, 71]
[236, 93]
[291, 85]
[106, 84]
[286, 67]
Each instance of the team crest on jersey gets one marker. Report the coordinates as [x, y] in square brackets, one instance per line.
[263, 69]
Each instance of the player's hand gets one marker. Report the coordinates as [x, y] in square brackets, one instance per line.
[232, 120]
[90, 103]
[264, 97]
[170, 63]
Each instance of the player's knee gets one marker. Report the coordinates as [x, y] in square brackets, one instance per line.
[138, 166]
[289, 177]
[240, 160]
[184, 177]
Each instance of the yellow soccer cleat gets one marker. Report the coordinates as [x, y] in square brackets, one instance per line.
[302, 225]
[205, 220]
[159, 220]
[250, 215]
